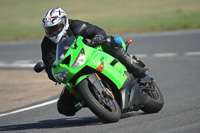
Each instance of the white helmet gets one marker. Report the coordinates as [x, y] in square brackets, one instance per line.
[55, 24]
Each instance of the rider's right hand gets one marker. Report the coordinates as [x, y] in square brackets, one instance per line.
[97, 40]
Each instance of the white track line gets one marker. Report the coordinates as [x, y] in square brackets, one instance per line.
[23, 61]
[191, 53]
[165, 55]
[16, 65]
[29, 108]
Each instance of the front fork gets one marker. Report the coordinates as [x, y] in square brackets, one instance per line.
[97, 82]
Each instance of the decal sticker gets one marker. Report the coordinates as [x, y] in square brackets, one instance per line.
[62, 55]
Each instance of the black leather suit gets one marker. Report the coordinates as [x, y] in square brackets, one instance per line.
[65, 103]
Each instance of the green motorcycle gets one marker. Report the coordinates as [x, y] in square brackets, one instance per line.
[100, 82]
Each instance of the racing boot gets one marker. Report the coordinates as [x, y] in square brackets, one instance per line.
[131, 66]
[114, 48]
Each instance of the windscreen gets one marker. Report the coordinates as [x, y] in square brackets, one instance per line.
[63, 47]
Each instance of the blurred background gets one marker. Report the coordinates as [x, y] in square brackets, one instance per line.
[22, 19]
[173, 58]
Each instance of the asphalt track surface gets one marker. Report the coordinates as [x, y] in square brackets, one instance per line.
[174, 60]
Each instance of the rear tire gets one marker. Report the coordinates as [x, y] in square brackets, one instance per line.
[155, 101]
[103, 111]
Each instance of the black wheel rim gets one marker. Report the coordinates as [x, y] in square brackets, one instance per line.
[104, 100]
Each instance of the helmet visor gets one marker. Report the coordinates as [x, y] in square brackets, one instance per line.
[53, 30]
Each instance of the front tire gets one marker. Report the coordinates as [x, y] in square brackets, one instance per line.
[109, 112]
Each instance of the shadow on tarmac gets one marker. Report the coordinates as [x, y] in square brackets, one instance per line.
[62, 123]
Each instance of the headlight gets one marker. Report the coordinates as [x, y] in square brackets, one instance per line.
[80, 60]
[61, 76]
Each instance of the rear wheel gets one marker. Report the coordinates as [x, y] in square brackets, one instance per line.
[103, 105]
[155, 100]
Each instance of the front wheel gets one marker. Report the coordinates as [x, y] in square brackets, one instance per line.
[155, 100]
[103, 106]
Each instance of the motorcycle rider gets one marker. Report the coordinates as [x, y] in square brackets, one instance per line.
[57, 26]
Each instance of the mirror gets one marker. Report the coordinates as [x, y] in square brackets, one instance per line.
[80, 29]
[39, 67]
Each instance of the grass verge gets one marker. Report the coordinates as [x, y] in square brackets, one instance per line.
[21, 19]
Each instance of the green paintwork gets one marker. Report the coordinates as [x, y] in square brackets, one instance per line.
[94, 57]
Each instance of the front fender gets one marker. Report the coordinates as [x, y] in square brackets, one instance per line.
[93, 79]
[80, 79]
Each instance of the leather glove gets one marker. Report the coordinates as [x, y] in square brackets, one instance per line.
[97, 40]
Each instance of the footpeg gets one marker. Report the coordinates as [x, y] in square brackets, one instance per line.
[138, 61]
[78, 106]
